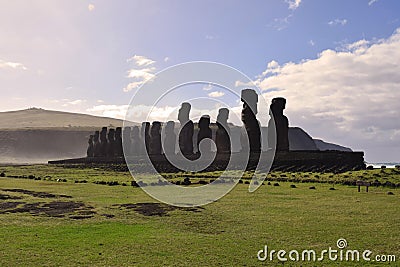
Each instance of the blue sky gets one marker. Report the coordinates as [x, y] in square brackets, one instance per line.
[335, 61]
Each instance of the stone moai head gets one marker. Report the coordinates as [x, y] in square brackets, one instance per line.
[204, 122]
[118, 132]
[103, 134]
[135, 131]
[169, 128]
[156, 128]
[91, 138]
[145, 128]
[183, 114]
[111, 135]
[249, 98]
[278, 105]
[96, 136]
[223, 114]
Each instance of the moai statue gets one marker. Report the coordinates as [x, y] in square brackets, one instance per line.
[103, 142]
[155, 138]
[252, 126]
[281, 125]
[137, 143]
[118, 150]
[145, 137]
[222, 136]
[111, 143]
[90, 149]
[96, 144]
[186, 131]
[204, 133]
[126, 134]
[170, 138]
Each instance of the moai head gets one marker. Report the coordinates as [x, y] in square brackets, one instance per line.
[169, 128]
[91, 139]
[278, 105]
[127, 132]
[204, 122]
[249, 110]
[183, 114]
[145, 128]
[103, 134]
[111, 135]
[250, 99]
[156, 128]
[96, 136]
[118, 132]
[135, 131]
[223, 115]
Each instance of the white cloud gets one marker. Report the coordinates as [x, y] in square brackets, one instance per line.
[371, 2]
[280, 23]
[113, 111]
[166, 59]
[353, 93]
[141, 61]
[207, 87]
[211, 37]
[216, 94]
[91, 7]
[142, 72]
[12, 65]
[293, 4]
[311, 42]
[338, 22]
[67, 102]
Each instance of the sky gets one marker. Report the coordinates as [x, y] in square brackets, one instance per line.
[336, 62]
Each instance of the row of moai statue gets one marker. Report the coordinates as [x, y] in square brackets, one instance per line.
[148, 138]
[106, 143]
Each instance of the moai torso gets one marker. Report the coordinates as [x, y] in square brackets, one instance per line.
[145, 137]
[111, 143]
[204, 133]
[222, 136]
[186, 131]
[155, 138]
[170, 139]
[251, 124]
[281, 125]
[103, 142]
[96, 144]
[90, 149]
[118, 142]
[137, 143]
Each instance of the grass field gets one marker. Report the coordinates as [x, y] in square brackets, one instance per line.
[66, 219]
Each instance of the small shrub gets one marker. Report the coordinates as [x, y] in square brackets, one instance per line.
[276, 184]
[2, 174]
[293, 186]
[312, 187]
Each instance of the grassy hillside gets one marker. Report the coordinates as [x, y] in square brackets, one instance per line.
[40, 118]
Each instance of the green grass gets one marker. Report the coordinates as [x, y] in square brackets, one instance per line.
[228, 232]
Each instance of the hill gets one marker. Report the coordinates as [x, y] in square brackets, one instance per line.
[41, 118]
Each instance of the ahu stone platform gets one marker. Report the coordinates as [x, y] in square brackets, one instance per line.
[291, 161]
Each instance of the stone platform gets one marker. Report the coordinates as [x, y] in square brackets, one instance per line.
[292, 161]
